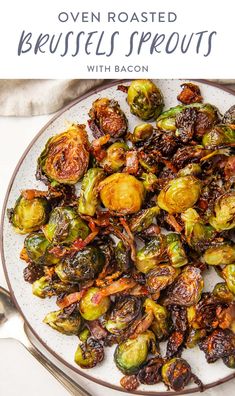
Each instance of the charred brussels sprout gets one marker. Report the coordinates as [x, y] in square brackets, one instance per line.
[65, 157]
[122, 257]
[83, 265]
[187, 289]
[175, 250]
[115, 157]
[194, 336]
[131, 354]
[224, 210]
[142, 132]
[106, 117]
[219, 344]
[229, 116]
[46, 287]
[65, 226]
[88, 201]
[179, 194]
[151, 254]
[124, 312]
[197, 233]
[160, 277]
[220, 135]
[145, 99]
[166, 121]
[68, 324]
[229, 276]
[161, 323]
[122, 193]
[143, 219]
[29, 215]
[38, 249]
[220, 255]
[222, 292]
[89, 354]
[176, 373]
[92, 310]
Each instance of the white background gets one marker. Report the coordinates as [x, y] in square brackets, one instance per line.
[42, 17]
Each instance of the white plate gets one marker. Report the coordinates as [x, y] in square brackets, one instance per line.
[34, 309]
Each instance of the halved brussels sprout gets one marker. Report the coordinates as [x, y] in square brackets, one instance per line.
[141, 132]
[224, 210]
[220, 135]
[122, 257]
[220, 255]
[106, 117]
[65, 157]
[222, 292]
[166, 121]
[88, 200]
[89, 353]
[179, 194]
[229, 116]
[197, 233]
[131, 354]
[38, 249]
[149, 181]
[91, 310]
[124, 312]
[160, 277]
[83, 265]
[175, 250]
[29, 215]
[143, 219]
[68, 324]
[46, 287]
[122, 193]
[187, 288]
[176, 373]
[194, 336]
[115, 157]
[65, 226]
[228, 273]
[145, 99]
[161, 323]
[153, 253]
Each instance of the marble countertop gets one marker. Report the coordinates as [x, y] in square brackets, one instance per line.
[20, 374]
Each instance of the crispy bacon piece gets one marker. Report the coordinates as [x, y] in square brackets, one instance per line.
[71, 299]
[143, 324]
[118, 286]
[132, 162]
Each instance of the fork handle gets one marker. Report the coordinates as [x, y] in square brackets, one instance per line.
[72, 387]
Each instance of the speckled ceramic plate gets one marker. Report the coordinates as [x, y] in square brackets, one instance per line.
[34, 309]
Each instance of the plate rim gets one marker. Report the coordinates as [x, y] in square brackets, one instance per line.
[4, 207]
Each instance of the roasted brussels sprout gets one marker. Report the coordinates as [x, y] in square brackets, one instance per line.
[220, 255]
[145, 99]
[187, 288]
[88, 200]
[65, 157]
[229, 361]
[161, 323]
[143, 219]
[91, 310]
[29, 215]
[228, 273]
[106, 117]
[194, 336]
[115, 157]
[149, 181]
[179, 194]
[131, 354]
[65, 226]
[83, 265]
[190, 170]
[222, 292]
[229, 116]
[150, 374]
[46, 287]
[160, 277]
[175, 250]
[124, 312]
[224, 212]
[68, 324]
[122, 193]
[197, 233]
[220, 135]
[122, 257]
[142, 132]
[89, 354]
[38, 249]
[219, 344]
[176, 373]
[153, 253]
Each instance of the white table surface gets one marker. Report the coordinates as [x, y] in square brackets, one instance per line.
[20, 374]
